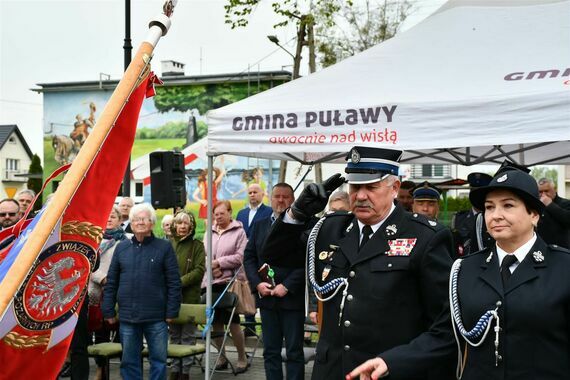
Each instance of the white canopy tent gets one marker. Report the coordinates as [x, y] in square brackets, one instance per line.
[478, 81]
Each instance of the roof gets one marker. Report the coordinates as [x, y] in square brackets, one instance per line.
[6, 131]
[175, 80]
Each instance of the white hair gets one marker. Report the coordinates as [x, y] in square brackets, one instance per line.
[143, 207]
[167, 219]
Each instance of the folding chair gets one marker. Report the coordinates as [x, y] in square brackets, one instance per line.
[189, 313]
[228, 302]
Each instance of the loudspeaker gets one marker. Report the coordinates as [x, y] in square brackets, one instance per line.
[167, 180]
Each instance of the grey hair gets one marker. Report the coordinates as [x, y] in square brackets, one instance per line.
[116, 210]
[30, 192]
[544, 181]
[166, 219]
[143, 207]
[339, 196]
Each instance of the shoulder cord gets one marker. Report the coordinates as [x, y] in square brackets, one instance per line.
[482, 327]
[336, 284]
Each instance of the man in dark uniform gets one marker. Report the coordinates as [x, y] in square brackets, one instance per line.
[467, 225]
[381, 271]
[426, 200]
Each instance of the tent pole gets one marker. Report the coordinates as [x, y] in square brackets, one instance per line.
[208, 231]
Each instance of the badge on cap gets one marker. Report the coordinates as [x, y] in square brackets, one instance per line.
[355, 156]
[502, 178]
[391, 230]
[538, 256]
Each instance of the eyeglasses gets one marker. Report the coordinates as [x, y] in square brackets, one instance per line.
[5, 214]
[141, 220]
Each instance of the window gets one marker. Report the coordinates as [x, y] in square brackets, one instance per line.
[12, 167]
[431, 171]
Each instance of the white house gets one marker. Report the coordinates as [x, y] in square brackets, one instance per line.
[15, 160]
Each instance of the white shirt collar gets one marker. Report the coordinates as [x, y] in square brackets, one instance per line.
[520, 252]
[376, 226]
[254, 208]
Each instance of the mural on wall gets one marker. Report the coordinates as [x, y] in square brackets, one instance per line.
[172, 120]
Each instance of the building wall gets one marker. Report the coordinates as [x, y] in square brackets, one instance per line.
[13, 150]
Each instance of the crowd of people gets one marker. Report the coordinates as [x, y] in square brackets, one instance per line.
[379, 266]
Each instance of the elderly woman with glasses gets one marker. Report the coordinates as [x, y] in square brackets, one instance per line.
[191, 258]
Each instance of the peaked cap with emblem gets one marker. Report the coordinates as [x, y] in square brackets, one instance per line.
[426, 192]
[369, 165]
[512, 179]
[477, 179]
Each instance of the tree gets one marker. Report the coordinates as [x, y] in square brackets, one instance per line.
[343, 28]
[36, 183]
[539, 172]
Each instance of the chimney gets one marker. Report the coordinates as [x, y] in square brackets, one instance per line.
[172, 68]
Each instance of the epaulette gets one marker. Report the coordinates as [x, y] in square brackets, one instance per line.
[556, 247]
[422, 219]
[481, 252]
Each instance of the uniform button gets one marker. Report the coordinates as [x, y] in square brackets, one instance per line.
[351, 274]
[346, 323]
[347, 348]
[349, 297]
[389, 265]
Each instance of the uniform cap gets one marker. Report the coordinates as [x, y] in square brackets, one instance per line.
[515, 180]
[476, 179]
[369, 165]
[426, 192]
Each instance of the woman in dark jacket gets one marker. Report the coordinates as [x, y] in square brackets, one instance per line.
[191, 258]
[510, 303]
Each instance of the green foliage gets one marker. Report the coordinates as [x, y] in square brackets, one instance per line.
[369, 23]
[36, 183]
[170, 130]
[343, 28]
[204, 97]
[457, 204]
[539, 172]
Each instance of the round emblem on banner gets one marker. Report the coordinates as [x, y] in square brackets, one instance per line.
[55, 285]
[355, 156]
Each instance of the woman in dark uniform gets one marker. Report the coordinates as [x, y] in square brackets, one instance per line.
[510, 303]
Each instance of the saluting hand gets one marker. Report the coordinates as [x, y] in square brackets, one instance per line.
[370, 369]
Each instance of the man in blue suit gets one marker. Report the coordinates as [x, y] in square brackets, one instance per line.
[282, 307]
[256, 210]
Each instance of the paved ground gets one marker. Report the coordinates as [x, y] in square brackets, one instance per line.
[255, 372]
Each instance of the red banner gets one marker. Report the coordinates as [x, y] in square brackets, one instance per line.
[36, 330]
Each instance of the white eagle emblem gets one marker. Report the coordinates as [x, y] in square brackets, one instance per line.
[49, 288]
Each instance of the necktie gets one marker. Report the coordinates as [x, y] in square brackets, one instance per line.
[366, 232]
[505, 271]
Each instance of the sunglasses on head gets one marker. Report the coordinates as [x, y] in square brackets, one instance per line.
[5, 214]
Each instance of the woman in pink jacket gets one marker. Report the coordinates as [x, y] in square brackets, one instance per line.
[228, 244]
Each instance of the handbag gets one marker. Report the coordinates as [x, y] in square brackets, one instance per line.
[94, 317]
[246, 302]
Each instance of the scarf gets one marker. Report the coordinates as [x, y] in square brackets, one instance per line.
[110, 238]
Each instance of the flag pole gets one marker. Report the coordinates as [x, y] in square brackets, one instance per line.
[34, 243]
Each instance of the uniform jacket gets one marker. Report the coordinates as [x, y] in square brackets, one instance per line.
[534, 316]
[292, 278]
[391, 300]
[143, 279]
[263, 211]
[228, 248]
[191, 258]
[554, 226]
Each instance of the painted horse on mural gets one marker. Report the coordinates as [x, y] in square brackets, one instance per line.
[65, 149]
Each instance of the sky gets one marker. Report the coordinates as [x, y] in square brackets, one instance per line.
[48, 41]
